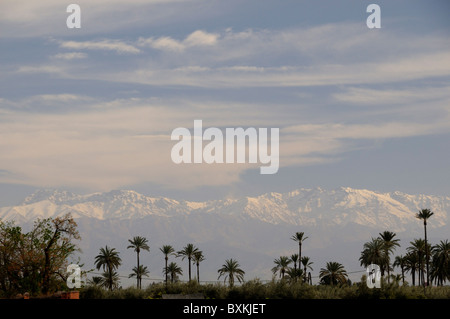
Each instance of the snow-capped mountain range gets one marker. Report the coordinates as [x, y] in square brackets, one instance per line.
[254, 230]
[302, 207]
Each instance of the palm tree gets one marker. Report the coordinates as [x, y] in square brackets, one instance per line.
[333, 274]
[293, 274]
[231, 269]
[294, 258]
[109, 279]
[401, 261]
[417, 248]
[441, 262]
[411, 265]
[198, 257]
[300, 238]
[173, 270]
[374, 253]
[306, 264]
[281, 265]
[138, 243]
[389, 244]
[188, 251]
[167, 250]
[109, 260]
[424, 215]
[139, 272]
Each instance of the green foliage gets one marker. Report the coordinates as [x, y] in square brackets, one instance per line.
[275, 289]
[35, 261]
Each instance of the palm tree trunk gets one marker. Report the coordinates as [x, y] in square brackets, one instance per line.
[167, 258]
[198, 273]
[189, 259]
[426, 252]
[137, 275]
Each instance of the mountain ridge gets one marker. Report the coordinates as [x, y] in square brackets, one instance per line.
[302, 206]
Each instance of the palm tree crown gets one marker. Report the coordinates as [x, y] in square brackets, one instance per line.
[281, 265]
[333, 274]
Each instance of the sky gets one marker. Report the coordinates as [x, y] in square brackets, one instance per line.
[92, 109]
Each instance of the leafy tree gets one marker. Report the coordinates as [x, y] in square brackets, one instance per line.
[231, 270]
[167, 250]
[109, 260]
[138, 243]
[36, 261]
[188, 252]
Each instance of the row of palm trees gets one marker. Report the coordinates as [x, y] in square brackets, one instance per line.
[377, 251]
[417, 259]
[334, 273]
[108, 259]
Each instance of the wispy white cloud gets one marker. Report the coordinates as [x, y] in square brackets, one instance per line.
[197, 38]
[70, 56]
[108, 45]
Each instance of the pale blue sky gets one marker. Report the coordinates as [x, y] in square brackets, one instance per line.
[92, 109]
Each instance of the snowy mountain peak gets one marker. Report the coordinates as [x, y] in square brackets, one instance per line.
[54, 195]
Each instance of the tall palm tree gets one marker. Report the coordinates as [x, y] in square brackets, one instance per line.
[109, 260]
[389, 244]
[424, 215]
[138, 243]
[173, 270]
[333, 274]
[198, 257]
[139, 273]
[167, 250]
[300, 238]
[231, 270]
[306, 265]
[188, 251]
[281, 265]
